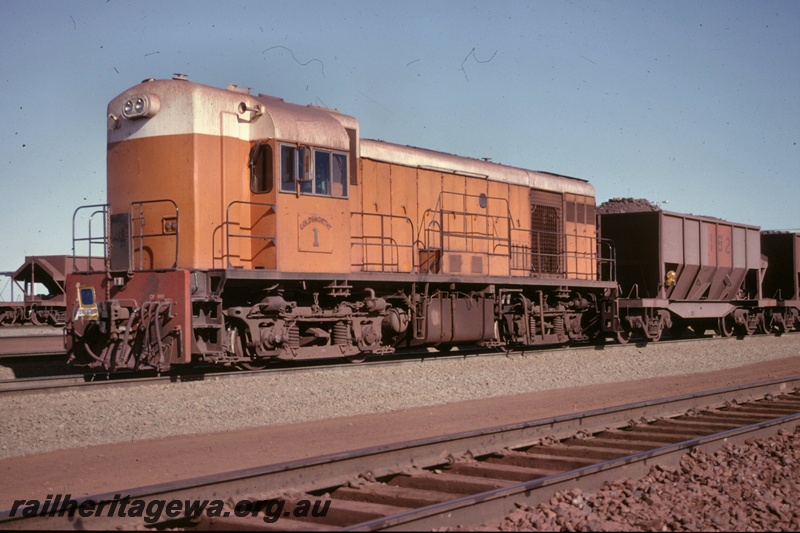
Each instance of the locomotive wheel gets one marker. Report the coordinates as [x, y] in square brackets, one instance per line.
[725, 326]
[255, 364]
[239, 350]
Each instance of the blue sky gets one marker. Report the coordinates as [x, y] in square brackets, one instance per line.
[692, 102]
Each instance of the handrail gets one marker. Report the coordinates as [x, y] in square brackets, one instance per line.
[165, 232]
[228, 223]
[604, 260]
[91, 240]
[487, 232]
[384, 242]
[464, 212]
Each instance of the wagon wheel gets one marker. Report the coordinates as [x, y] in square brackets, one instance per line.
[655, 337]
[750, 328]
[624, 336]
[725, 326]
[35, 318]
[255, 364]
[360, 357]
[8, 317]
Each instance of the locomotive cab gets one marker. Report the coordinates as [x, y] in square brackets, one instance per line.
[202, 181]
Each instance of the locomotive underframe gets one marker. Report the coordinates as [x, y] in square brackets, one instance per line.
[246, 318]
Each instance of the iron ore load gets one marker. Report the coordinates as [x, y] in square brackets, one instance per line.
[244, 228]
[240, 228]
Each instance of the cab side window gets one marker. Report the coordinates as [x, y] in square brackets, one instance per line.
[330, 173]
[327, 177]
[339, 176]
[322, 172]
[292, 169]
[261, 178]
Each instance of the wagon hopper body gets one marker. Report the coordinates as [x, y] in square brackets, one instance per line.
[678, 270]
[781, 282]
[41, 284]
[244, 228]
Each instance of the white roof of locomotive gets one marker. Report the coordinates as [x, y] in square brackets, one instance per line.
[186, 107]
[430, 159]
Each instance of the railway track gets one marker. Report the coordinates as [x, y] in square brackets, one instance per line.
[51, 384]
[30, 341]
[472, 477]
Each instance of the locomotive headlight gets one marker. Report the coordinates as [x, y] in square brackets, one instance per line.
[140, 106]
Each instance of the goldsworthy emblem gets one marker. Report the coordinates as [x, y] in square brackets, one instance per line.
[314, 233]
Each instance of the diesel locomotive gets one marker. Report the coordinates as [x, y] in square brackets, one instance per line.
[240, 229]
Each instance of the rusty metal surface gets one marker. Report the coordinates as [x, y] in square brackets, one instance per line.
[154, 308]
[683, 257]
[33, 306]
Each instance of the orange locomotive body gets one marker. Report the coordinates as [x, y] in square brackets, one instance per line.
[242, 228]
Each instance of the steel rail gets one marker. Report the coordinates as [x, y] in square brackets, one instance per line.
[52, 384]
[49, 384]
[334, 470]
[31, 345]
[477, 509]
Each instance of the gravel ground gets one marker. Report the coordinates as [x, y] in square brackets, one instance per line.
[750, 487]
[37, 423]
